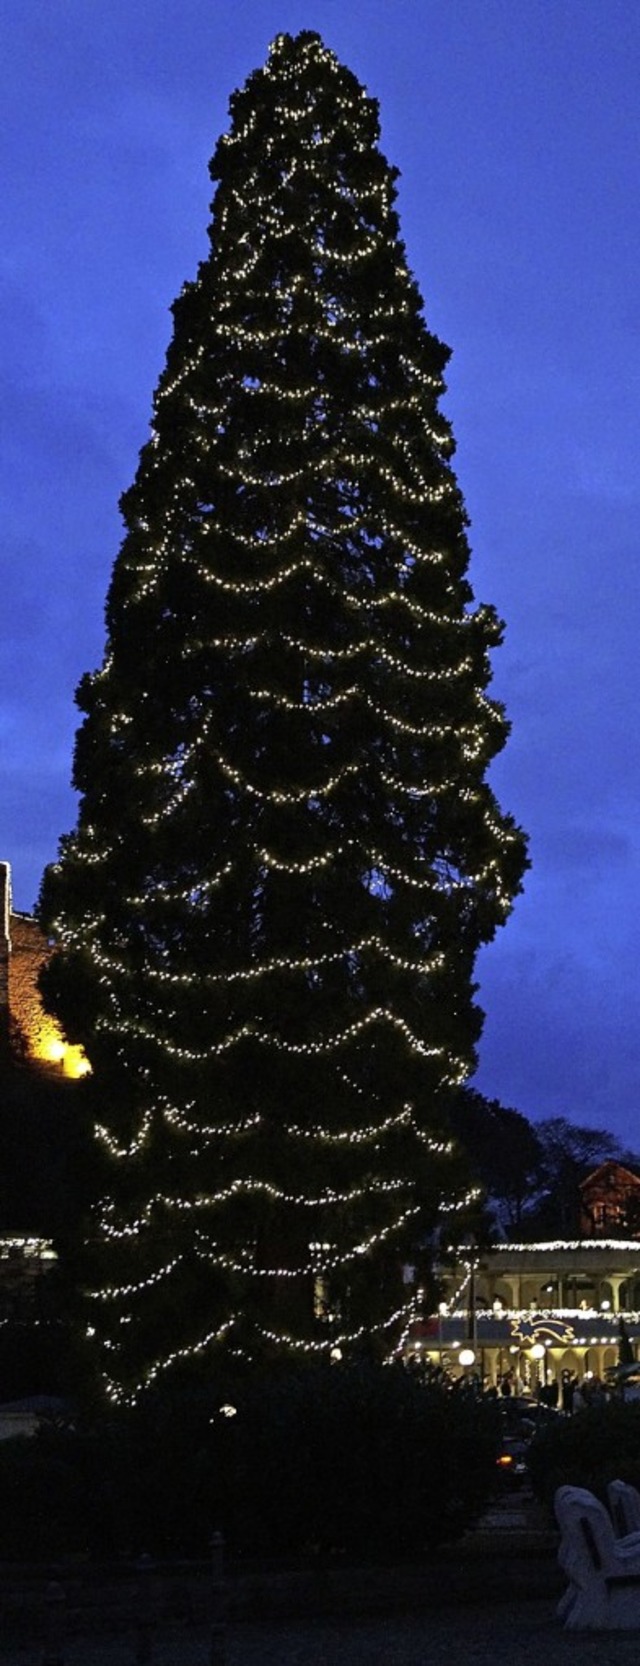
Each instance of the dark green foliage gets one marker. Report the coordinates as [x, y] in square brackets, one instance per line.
[359, 1462]
[567, 1154]
[504, 1154]
[43, 1500]
[44, 1356]
[532, 1171]
[288, 853]
[595, 1446]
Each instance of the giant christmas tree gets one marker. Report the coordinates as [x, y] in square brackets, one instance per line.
[287, 853]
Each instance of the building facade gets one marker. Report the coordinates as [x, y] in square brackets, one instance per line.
[538, 1310]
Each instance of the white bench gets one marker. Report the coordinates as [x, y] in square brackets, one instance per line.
[624, 1507]
[603, 1571]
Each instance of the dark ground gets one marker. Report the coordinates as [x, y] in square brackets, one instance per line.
[524, 1634]
[492, 1598]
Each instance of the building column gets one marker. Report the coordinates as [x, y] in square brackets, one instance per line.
[616, 1281]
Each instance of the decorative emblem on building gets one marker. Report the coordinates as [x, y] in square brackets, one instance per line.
[537, 1328]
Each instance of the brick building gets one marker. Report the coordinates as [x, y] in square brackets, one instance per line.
[26, 1027]
[610, 1202]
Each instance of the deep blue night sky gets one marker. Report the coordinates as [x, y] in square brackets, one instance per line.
[515, 126]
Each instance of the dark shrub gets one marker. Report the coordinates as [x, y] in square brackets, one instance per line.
[598, 1445]
[42, 1503]
[360, 1460]
[46, 1358]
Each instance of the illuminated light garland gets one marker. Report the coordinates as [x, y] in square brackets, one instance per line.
[448, 1307]
[227, 1130]
[412, 790]
[471, 738]
[40, 1247]
[151, 818]
[120, 1396]
[327, 256]
[125, 1290]
[401, 598]
[610, 1318]
[432, 880]
[367, 1136]
[328, 1263]
[162, 893]
[428, 881]
[203, 521]
[299, 795]
[423, 491]
[177, 761]
[330, 655]
[313, 864]
[454, 1206]
[149, 579]
[344, 1339]
[308, 963]
[136, 1144]
[243, 1188]
[405, 1335]
[440, 1148]
[247, 1187]
[310, 395]
[178, 1120]
[259, 586]
[351, 1136]
[320, 703]
[589, 1244]
[311, 1049]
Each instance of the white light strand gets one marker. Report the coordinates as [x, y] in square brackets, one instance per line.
[118, 1395]
[422, 966]
[344, 1339]
[328, 1198]
[311, 1049]
[329, 1263]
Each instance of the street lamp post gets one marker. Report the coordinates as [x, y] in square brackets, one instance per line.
[468, 1354]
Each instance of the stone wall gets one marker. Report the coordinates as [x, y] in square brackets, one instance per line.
[29, 951]
[23, 951]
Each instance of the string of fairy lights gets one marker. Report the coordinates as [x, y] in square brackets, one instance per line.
[455, 1072]
[423, 966]
[330, 1347]
[179, 1119]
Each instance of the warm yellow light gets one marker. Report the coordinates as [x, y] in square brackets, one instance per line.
[51, 1048]
[75, 1063]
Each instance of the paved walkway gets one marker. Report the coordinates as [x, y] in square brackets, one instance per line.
[522, 1634]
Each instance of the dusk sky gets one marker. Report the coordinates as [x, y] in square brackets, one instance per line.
[515, 124]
